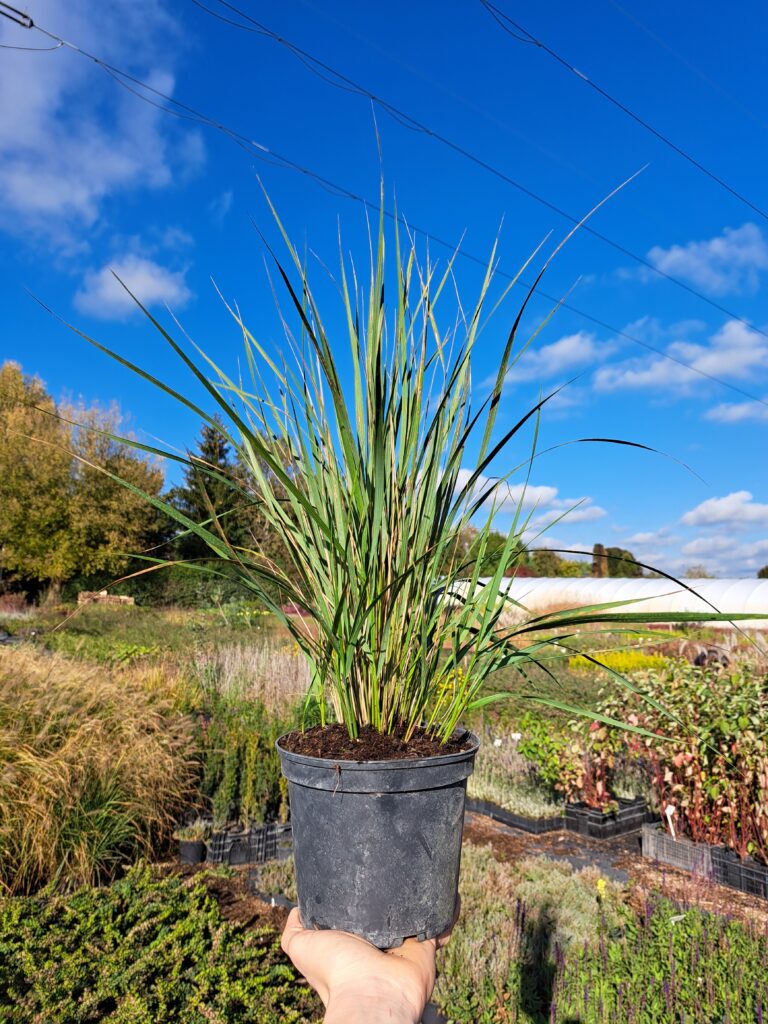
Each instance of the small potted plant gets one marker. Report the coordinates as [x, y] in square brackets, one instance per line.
[369, 471]
[191, 839]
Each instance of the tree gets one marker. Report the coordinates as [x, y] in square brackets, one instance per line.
[762, 574]
[110, 522]
[545, 562]
[202, 496]
[599, 564]
[35, 482]
[622, 563]
[698, 572]
[61, 515]
[572, 567]
[494, 549]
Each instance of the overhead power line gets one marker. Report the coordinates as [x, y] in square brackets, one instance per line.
[16, 16]
[517, 31]
[689, 64]
[347, 84]
[185, 112]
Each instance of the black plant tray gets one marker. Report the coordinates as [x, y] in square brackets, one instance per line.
[251, 846]
[630, 817]
[537, 826]
[748, 875]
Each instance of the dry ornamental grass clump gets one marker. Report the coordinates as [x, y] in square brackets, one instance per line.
[93, 769]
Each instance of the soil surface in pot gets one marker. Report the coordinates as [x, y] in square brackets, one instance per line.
[333, 743]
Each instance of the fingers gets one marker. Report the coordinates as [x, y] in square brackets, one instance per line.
[292, 926]
[443, 938]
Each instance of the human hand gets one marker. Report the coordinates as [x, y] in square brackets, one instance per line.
[358, 982]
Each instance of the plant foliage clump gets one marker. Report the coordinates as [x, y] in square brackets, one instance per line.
[368, 480]
[710, 763]
[142, 951]
[93, 771]
[671, 966]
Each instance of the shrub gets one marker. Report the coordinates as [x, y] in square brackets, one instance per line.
[710, 762]
[480, 968]
[241, 767]
[276, 876]
[245, 697]
[623, 662]
[504, 777]
[143, 951]
[544, 745]
[578, 763]
[94, 770]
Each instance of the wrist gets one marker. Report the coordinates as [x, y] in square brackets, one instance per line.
[376, 1002]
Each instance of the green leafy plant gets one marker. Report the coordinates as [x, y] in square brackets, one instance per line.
[145, 950]
[195, 832]
[368, 488]
[504, 777]
[241, 767]
[544, 745]
[501, 961]
[707, 759]
[672, 965]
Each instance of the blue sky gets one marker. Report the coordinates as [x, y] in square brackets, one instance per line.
[93, 178]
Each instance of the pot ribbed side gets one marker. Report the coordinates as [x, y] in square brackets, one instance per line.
[377, 845]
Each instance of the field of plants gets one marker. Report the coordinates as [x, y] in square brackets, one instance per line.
[120, 725]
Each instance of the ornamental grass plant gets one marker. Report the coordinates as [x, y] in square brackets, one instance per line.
[367, 467]
[94, 770]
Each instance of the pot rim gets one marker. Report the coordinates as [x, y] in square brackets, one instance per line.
[392, 764]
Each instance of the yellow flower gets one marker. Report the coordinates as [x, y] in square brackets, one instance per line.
[601, 886]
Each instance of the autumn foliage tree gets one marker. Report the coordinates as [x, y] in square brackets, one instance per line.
[60, 514]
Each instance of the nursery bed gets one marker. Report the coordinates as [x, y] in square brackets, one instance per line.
[537, 826]
[620, 859]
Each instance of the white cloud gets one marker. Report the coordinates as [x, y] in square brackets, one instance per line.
[734, 351]
[728, 263]
[101, 295]
[220, 206]
[562, 356]
[71, 137]
[737, 412]
[725, 556]
[532, 497]
[661, 538]
[509, 495]
[716, 545]
[540, 499]
[737, 509]
[578, 510]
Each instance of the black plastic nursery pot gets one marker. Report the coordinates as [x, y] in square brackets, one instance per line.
[587, 821]
[191, 851]
[377, 844]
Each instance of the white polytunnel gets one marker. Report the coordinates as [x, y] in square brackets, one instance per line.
[731, 596]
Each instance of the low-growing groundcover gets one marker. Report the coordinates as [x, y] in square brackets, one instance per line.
[145, 950]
